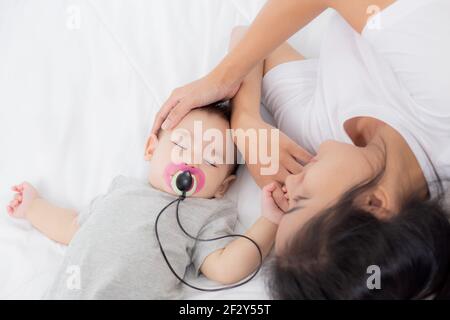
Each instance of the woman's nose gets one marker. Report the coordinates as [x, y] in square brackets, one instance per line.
[299, 177]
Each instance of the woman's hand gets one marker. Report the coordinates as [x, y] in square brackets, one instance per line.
[291, 157]
[24, 197]
[209, 89]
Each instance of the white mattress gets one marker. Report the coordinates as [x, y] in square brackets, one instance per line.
[80, 82]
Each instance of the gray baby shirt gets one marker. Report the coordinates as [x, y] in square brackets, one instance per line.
[115, 254]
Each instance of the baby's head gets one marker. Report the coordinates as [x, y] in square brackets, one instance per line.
[201, 144]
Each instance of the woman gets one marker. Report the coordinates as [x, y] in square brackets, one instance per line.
[375, 110]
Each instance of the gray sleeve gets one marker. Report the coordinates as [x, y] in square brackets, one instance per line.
[220, 224]
[87, 210]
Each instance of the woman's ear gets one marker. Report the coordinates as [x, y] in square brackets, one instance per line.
[378, 202]
[152, 143]
[224, 186]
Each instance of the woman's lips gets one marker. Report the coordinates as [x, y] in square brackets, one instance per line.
[173, 168]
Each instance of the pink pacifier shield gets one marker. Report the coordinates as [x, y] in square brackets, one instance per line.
[172, 169]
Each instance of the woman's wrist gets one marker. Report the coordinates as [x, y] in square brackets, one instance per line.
[227, 73]
[244, 118]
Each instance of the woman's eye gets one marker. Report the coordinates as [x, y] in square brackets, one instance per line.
[299, 198]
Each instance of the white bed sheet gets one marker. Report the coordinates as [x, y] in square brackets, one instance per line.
[80, 82]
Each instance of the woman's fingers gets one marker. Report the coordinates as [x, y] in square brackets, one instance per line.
[176, 114]
[292, 165]
[157, 123]
[282, 174]
[299, 153]
[163, 112]
[198, 93]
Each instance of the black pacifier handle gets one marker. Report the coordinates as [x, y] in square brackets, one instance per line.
[184, 182]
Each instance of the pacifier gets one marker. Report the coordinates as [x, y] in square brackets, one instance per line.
[183, 179]
[183, 183]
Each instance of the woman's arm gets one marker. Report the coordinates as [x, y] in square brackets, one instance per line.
[285, 154]
[276, 22]
[246, 118]
[280, 19]
[56, 223]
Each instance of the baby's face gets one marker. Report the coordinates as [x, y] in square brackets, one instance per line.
[199, 144]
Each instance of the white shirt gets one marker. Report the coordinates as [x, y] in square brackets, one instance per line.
[397, 71]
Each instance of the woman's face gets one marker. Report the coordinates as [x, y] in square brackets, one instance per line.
[335, 169]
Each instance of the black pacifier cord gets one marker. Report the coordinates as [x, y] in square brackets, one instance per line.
[178, 200]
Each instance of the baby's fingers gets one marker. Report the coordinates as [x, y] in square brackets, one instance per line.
[10, 210]
[268, 189]
[280, 200]
[17, 188]
[14, 203]
[18, 197]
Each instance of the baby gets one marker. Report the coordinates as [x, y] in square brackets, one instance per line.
[113, 252]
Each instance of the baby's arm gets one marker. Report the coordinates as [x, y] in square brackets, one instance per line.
[57, 223]
[240, 257]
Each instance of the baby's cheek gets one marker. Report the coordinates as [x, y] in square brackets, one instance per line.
[207, 190]
[156, 180]
[153, 179]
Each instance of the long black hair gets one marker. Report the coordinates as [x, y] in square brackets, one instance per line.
[334, 254]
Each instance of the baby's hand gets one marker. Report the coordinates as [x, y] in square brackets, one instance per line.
[270, 209]
[25, 195]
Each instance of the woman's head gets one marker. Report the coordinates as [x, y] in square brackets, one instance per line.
[337, 168]
[358, 206]
[333, 256]
[380, 159]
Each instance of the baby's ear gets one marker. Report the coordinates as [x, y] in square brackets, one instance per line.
[224, 186]
[152, 143]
